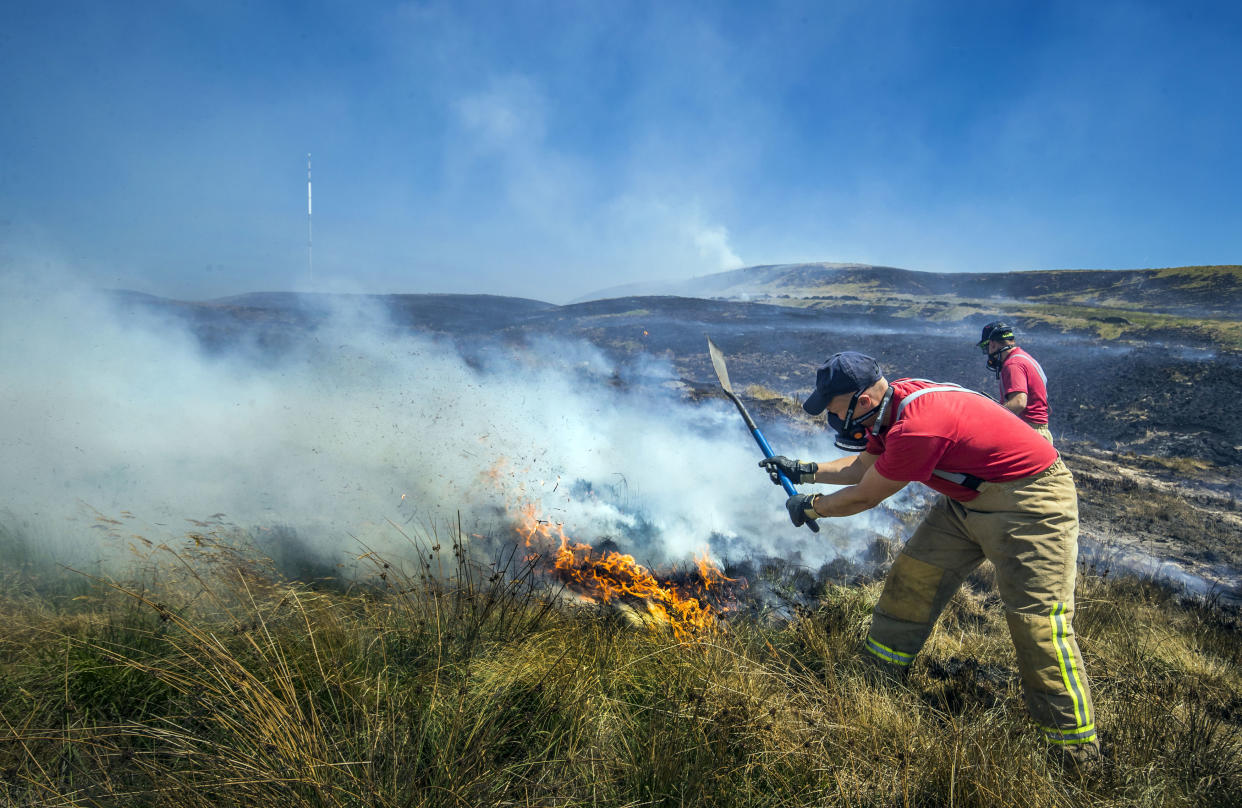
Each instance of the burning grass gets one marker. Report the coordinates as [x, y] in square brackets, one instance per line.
[607, 576]
[210, 678]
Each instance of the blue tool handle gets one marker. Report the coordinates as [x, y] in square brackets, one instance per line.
[785, 483]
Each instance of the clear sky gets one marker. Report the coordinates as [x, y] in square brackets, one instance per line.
[548, 149]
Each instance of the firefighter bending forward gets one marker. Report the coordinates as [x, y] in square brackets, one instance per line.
[1005, 496]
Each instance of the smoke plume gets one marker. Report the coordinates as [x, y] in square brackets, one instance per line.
[365, 428]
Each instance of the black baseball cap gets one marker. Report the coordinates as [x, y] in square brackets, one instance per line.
[845, 372]
[996, 330]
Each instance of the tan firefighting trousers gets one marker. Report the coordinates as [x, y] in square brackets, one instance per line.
[1042, 429]
[1028, 529]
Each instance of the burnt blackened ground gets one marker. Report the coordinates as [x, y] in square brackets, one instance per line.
[1171, 399]
[1152, 430]
[1139, 515]
[1168, 399]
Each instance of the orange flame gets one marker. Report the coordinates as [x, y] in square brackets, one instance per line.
[605, 576]
[710, 573]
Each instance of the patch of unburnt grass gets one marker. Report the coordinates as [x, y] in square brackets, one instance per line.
[211, 679]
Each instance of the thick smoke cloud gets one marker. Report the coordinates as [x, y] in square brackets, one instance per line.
[366, 428]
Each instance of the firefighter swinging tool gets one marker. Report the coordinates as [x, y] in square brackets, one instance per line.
[722, 373]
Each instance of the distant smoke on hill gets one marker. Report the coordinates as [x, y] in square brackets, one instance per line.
[738, 283]
[1186, 291]
[122, 414]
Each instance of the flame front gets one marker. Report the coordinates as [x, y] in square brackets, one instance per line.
[609, 575]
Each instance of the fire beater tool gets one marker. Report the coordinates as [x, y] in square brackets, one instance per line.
[722, 373]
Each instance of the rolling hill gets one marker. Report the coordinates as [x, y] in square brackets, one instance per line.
[1211, 292]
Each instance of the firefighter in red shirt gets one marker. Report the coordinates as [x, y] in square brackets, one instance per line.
[1023, 384]
[1005, 497]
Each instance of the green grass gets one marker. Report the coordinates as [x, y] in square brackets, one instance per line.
[1106, 313]
[207, 678]
[1106, 322]
[1202, 275]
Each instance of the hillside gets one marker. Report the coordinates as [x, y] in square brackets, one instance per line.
[1212, 293]
[1119, 386]
[1151, 477]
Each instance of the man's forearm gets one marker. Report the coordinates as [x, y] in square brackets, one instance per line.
[871, 491]
[1016, 403]
[842, 471]
[845, 502]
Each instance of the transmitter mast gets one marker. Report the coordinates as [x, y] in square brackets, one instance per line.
[310, 255]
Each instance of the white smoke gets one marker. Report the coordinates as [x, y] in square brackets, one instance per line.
[713, 244]
[363, 428]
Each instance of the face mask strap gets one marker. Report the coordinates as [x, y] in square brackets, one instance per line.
[884, 402]
[849, 413]
[995, 360]
[852, 437]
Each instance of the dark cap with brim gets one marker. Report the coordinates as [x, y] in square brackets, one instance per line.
[846, 372]
[996, 330]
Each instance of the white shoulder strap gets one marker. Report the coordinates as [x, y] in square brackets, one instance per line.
[1038, 369]
[940, 387]
[967, 480]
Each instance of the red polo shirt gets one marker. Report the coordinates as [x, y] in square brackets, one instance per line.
[956, 431]
[1020, 373]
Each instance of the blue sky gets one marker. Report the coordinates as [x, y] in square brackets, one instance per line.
[549, 149]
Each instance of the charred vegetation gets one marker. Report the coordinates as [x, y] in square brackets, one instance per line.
[1147, 415]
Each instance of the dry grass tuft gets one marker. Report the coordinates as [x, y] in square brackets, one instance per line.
[211, 679]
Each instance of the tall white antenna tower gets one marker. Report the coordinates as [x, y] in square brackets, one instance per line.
[310, 254]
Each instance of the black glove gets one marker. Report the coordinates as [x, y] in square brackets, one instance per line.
[800, 510]
[795, 470]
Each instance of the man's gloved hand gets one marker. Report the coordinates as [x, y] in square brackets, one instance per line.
[799, 507]
[795, 470]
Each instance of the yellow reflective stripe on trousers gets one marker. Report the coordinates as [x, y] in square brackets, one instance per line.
[1069, 665]
[888, 654]
[1084, 734]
